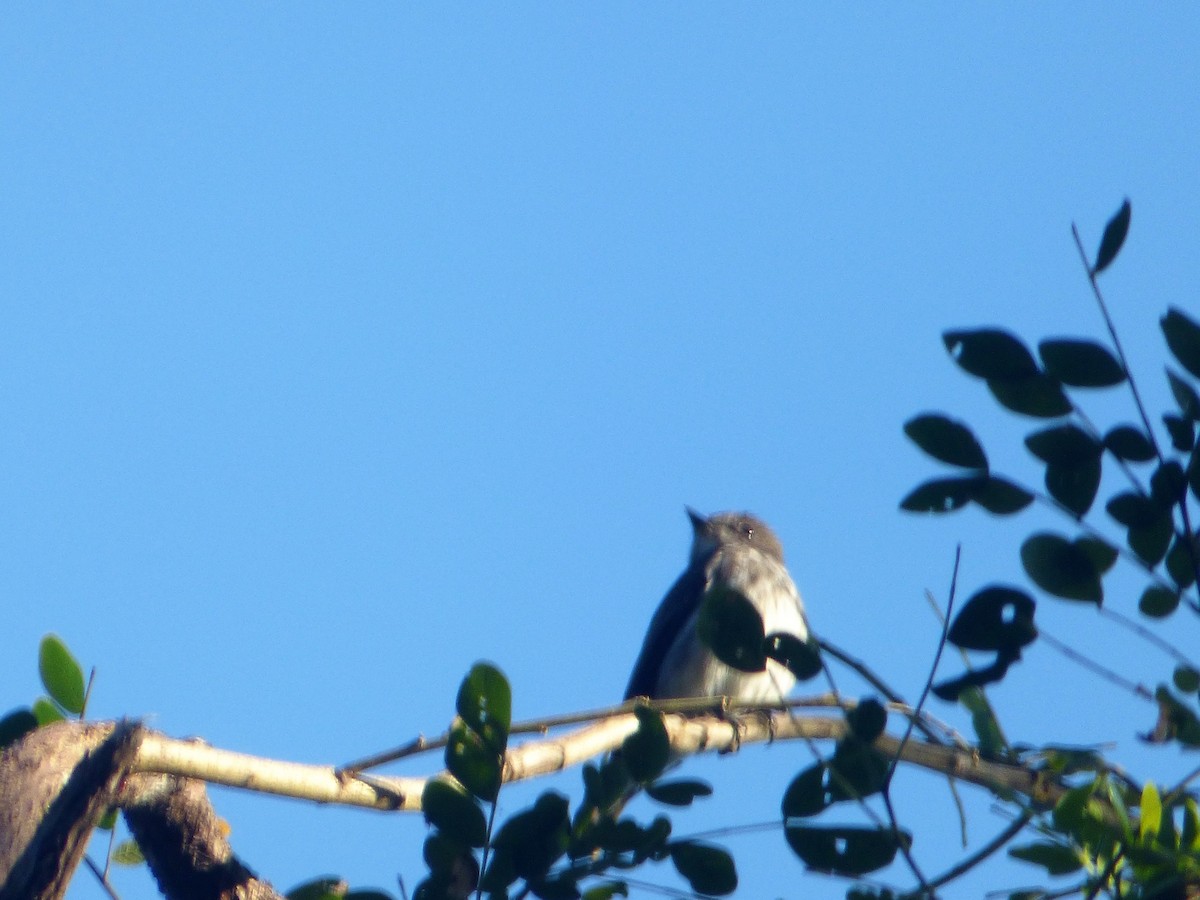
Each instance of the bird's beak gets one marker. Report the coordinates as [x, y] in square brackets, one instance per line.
[699, 522]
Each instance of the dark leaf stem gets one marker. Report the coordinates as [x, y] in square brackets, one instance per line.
[1137, 399]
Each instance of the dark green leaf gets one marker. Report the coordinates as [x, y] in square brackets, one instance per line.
[1056, 859]
[1168, 484]
[1127, 442]
[319, 889]
[940, 495]
[128, 853]
[1186, 679]
[450, 862]
[953, 688]
[1158, 602]
[1133, 510]
[473, 763]
[1183, 337]
[1182, 431]
[1074, 486]
[857, 770]
[680, 792]
[801, 658]
[530, 842]
[1037, 395]
[61, 675]
[1150, 542]
[450, 809]
[621, 836]
[996, 618]
[1114, 237]
[708, 869]
[1180, 564]
[606, 891]
[485, 704]
[1102, 554]
[844, 850]
[15, 726]
[946, 440]
[1000, 496]
[47, 711]
[1185, 396]
[983, 719]
[867, 720]
[1060, 568]
[1076, 808]
[603, 784]
[990, 353]
[808, 794]
[1063, 445]
[731, 627]
[647, 751]
[440, 852]
[1081, 363]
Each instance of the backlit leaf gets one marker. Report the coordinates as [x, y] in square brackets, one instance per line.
[1063, 445]
[1183, 337]
[61, 675]
[946, 440]
[1000, 496]
[1127, 442]
[450, 809]
[991, 354]
[1158, 602]
[732, 628]
[1038, 395]
[1081, 363]
[939, 495]
[1074, 486]
[485, 704]
[1060, 568]
[844, 850]
[995, 618]
[1185, 396]
[1114, 237]
[708, 869]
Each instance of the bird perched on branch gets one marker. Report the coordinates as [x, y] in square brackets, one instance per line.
[734, 551]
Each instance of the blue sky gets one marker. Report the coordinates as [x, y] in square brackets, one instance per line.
[344, 346]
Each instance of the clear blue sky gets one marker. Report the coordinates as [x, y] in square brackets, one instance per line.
[345, 345]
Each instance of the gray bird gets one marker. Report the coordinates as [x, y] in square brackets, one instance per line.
[737, 551]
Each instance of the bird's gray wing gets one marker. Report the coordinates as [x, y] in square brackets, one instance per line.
[682, 600]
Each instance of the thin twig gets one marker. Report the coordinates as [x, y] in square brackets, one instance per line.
[1149, 636]
[937, 657]
[1112, 331]
[1176, 792]
[887, 781]
[1141, 408]
[876, 682]
[1138, 690]
[1013, 829]
[104, 885]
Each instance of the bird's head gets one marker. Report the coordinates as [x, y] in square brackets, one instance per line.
[731, 529]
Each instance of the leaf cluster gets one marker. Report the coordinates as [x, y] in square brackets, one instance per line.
[1124, 843]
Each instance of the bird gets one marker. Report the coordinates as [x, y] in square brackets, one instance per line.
[736, 551]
